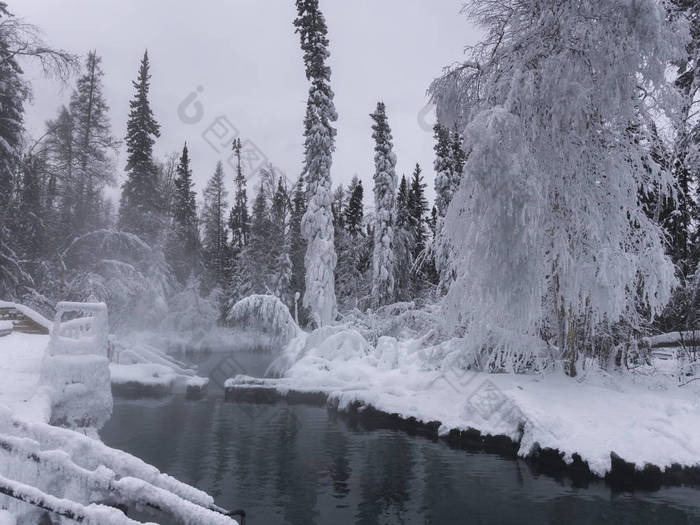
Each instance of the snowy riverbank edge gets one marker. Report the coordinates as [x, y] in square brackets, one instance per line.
[629, 429]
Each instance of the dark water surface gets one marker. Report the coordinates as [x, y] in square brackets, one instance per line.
[304, 465]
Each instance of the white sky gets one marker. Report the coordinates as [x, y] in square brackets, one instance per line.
[246, 57]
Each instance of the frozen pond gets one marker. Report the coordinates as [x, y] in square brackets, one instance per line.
[301, 464]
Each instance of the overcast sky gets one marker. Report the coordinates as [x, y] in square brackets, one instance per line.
[244, 58]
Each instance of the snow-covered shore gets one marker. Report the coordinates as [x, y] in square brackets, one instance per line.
[45, 466]
[645, 420]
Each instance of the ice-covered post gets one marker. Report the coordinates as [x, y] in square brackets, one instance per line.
[76, 368]
[86, 334]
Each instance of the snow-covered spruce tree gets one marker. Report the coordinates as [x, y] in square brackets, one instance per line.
[319, 144]
[139, 205]
[337, 206]
[256, 263]
[385, 210]
[13, 94]
[297, 244]
[30, 219]
[418, 209]
[18, 38]
[685, 161]
[404, 239]
[354, 212]
[547, 228]
[215, 233]
[184, 245]
[239, 221]
[93, 146]
[444, 168]
[281, 246]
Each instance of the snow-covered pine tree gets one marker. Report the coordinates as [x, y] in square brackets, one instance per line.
[59, 144]
[13, 94]
[30, 221]
[383, 260]
[337, 206]
[215, 233]
[18, 38]
[139, 205]
[185, 246]
[418, 209]
[549, 230]
[354, 212]
[404, 240]
[433, 220]
[444, 168]
[685, 162]
[319, 144]
[93, 146]
[459, 157]
[256, 263]
[297, 242]
[239, 221]
[280, 243]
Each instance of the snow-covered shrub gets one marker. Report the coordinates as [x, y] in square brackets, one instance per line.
[121, 270]
[265, 315]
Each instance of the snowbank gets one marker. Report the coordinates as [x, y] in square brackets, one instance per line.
[20, 366]
[643, 420]
[144, 374]
[141, 369]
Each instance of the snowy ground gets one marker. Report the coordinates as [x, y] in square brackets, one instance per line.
[20, 365]
[642, 419]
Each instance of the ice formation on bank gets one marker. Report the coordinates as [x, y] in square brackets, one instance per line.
[645, 419]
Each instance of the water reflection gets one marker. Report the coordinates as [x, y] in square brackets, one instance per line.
[300, 464]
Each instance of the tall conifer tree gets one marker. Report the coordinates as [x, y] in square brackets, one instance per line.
[319, 144]
[139, 206]
[383, 262]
